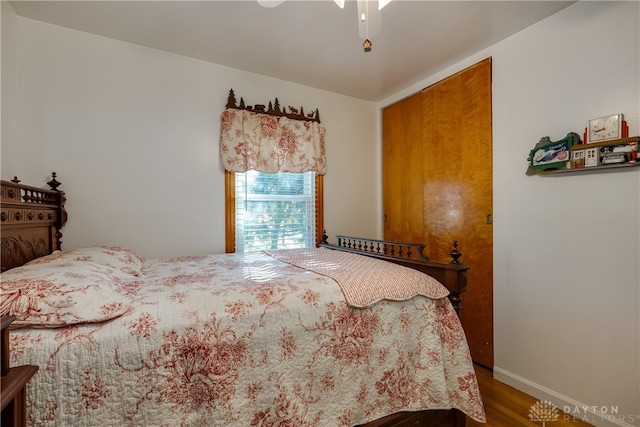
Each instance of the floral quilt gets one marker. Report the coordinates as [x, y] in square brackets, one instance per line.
[245, 340]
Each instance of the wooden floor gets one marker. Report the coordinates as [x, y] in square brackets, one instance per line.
[508, 407]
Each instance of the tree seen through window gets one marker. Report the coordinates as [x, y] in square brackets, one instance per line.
[274, 211]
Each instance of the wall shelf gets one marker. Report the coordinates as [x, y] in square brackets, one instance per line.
[629, 144]
[587, 169]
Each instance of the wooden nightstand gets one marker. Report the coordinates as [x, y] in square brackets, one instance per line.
[14, 382]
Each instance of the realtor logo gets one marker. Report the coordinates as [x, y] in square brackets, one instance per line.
[543, 411]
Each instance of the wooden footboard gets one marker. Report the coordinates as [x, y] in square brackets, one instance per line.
[453, 275]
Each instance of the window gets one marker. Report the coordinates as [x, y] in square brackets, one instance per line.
[273, 211]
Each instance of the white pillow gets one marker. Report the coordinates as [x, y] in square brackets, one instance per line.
[113, 256]
[60, 294]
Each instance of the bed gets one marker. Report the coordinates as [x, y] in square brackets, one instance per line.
[283, 338]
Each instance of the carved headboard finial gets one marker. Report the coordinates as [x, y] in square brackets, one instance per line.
[455, 253]
[54, 184]
[15, 179]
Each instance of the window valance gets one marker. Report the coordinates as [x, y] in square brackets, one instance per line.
[268, 142]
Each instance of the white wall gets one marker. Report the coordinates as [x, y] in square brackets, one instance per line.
[566, 247]
[8, 124]
[584, 229]
[133, 134]
[122, 123]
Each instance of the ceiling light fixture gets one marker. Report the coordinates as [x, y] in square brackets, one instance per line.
[369, 18]
[369, 22]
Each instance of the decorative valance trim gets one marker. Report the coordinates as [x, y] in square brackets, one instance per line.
[273, 109]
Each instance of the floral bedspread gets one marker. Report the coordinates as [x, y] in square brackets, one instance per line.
[247, 340]
[364, 280]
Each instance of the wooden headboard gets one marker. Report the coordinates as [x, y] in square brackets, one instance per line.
[30, 221]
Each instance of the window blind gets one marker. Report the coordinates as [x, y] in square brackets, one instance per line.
[274, 210]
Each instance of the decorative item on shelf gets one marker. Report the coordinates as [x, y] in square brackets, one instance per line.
[548, 155]
[591, 157]
[578, 159]
[607, 128]
[614, 157]
[618, 151]
[273, 109]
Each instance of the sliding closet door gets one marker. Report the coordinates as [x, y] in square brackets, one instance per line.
[437, 185]
[402, 171]
[458, 190]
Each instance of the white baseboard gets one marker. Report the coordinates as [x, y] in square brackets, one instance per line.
[574, 410]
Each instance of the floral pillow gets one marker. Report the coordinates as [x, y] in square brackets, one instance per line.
[55, 295]
[123, 259]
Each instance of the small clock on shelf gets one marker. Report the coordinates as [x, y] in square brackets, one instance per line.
[605, 128]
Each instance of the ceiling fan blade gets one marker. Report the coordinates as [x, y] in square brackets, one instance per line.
[270, 3]
[383, 3]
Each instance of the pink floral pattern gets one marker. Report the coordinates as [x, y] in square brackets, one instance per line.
[122, 259]
[364, 280]
[270, 144]
[56, 295]
[208, 344]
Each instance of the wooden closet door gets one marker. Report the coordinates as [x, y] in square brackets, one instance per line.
[402, 171]
[458, 191]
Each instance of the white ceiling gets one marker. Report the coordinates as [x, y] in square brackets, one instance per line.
[313, 43]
